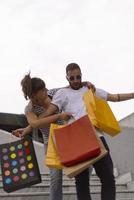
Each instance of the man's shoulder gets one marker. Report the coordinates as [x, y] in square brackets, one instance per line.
[101, 93]
[52, 92]
[62, 93]
[64, 89]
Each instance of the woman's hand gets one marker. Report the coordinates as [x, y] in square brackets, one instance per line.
[21, 132]
[18, 132]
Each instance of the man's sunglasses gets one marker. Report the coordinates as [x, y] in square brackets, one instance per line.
[72, 78]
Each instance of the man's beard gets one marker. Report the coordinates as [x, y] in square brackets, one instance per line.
[76, 87]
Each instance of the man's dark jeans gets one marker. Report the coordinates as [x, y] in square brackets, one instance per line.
[104, 170]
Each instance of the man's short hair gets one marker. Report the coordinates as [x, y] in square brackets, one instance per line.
[72, 66]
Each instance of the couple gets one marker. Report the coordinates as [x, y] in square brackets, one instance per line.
[45, 107]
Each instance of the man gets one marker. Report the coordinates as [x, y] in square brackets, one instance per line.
[71, 100]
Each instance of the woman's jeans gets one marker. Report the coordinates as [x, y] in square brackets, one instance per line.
[55, 184]
[104, 170]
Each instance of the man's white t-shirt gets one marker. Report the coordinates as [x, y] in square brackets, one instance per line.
[70, 100]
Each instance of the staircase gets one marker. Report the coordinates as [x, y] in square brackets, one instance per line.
[124, 189]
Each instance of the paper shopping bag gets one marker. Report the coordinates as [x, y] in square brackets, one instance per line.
[52, 158]
[76, 142]
[101, 114]
[19, 164]
[72, 171]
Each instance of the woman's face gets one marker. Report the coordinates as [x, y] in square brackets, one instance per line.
[39, 97]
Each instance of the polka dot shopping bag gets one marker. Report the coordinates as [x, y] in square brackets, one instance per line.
[19, 164]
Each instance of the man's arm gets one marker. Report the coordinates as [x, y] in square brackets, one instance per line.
[120, 97]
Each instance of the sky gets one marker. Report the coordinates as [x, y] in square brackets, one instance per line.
[44, 36]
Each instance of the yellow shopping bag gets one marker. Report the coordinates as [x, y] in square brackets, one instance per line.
[101, 114]
[52, 158]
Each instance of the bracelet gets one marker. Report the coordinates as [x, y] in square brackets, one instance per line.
[118, 97]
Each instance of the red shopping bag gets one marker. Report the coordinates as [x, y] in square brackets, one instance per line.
[76, 142]
[74, 170]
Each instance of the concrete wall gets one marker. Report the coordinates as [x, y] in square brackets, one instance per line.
[122, 150]
[127, 121]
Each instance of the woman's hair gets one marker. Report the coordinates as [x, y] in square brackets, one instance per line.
[31, 86]
[72, 66]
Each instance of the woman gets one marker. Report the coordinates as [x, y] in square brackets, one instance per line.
[39, 97]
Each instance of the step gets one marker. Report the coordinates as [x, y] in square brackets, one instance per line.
[66, 187]
[67, 195]
[93, 176]
[46, 179]
[66, 179]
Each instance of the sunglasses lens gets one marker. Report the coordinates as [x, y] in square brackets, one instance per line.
[72, 78]
[78, 77]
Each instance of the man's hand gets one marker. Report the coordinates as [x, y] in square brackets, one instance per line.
[89, 85]
[65, 116]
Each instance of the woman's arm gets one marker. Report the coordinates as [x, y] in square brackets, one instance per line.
[52, 109]
[22, 131]
[35, 122]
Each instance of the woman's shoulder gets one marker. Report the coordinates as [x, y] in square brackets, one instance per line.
[29, 107]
